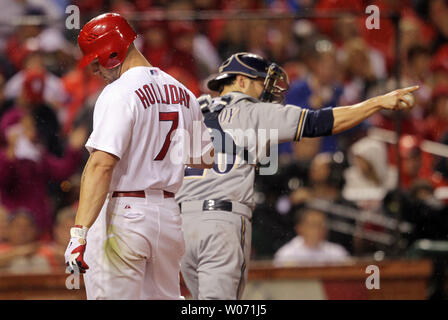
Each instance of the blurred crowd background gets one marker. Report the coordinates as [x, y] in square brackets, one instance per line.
[374, 191]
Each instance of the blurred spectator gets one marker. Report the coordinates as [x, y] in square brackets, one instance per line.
[16, 49]
[326, 182]
[412, 35]
[233, 38]
[156, 42]
[369, 177]
[321, 87]
[190, 49]
[33, 34]
[310, 245]
[54, 251]
[438, 16]
[437, 120]
[45, 118]
[20, 253]
[441, 175]
[439, 66]
[90, 6]
[417, 72]
[205, 55]
[289, 5]
[415, 165]
[425, 212]
[347, 33]
[360, 72]
[11, 11]
[329, 26]
[26, 167]
[37, 83]
[4, 216]
[5, 104]
[31, 90]
[418, 206]
[180, 55]
[123, 7]
[279, 43]
[83, 87]
[441, 165]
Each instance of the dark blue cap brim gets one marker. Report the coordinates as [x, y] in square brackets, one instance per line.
[214, 83]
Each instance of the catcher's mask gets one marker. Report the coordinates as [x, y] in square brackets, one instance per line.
[276, 80]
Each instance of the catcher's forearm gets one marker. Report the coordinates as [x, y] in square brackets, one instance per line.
[349, 116]
[94, 189]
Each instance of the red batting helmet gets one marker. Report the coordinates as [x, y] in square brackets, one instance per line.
[106, 37]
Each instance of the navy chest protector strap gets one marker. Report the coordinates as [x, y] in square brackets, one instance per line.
[222, 141]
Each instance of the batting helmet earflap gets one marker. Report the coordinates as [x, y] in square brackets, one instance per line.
[106, 37]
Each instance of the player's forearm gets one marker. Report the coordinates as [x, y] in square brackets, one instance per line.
[349, 116]
[94, 189]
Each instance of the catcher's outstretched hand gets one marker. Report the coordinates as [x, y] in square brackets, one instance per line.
[74, 254]
[399, 99]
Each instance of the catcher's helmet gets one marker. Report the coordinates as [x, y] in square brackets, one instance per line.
[247, 64]
[106, 37]
[253, 66]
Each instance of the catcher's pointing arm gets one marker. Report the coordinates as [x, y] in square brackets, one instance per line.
[349, 116]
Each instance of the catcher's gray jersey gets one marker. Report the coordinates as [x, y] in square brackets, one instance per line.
[249, 125]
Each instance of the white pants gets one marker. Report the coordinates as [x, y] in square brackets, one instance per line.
[134, 249]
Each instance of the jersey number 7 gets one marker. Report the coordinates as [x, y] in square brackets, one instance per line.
[167, 116]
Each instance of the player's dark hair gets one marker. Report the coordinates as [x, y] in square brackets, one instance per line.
[226, 82]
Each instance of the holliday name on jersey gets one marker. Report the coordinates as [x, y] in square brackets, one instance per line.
[148, 95]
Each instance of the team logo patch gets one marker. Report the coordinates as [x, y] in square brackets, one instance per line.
[154, 72]
[127, 207]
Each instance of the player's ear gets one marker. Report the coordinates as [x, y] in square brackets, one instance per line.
[241, 81]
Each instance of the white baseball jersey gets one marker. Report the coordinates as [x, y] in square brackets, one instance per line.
[143, 118]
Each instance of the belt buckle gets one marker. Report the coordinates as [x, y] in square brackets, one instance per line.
[208, 205]
[216, 205]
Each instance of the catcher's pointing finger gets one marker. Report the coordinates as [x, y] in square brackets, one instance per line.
[408, 89]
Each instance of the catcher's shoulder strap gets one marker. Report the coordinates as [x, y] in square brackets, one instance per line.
[216, 105]
[210, 105]
[211, 108]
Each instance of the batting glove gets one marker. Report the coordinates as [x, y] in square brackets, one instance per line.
[74, 255]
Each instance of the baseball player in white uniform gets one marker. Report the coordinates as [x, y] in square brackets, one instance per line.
[127, 239]
[217, 204]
